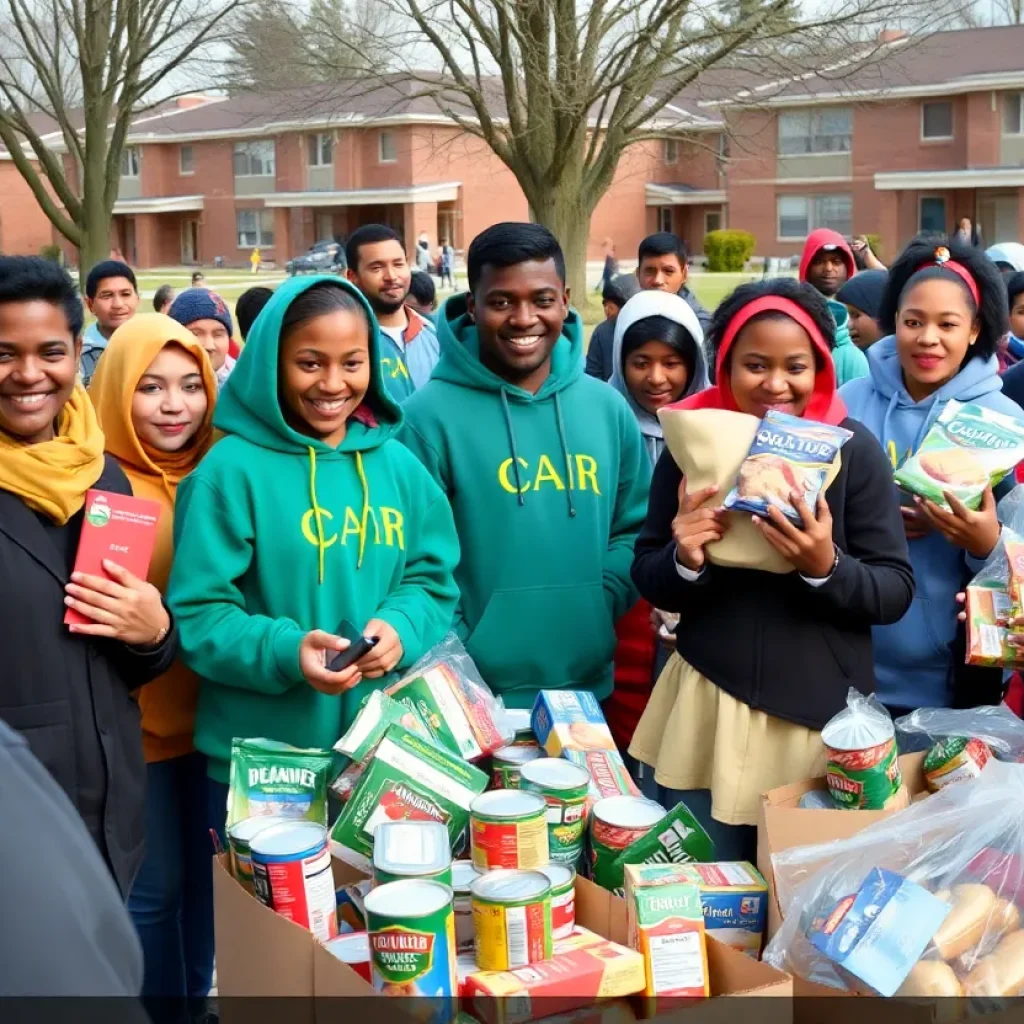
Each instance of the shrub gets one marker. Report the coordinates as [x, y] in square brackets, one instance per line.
[875, 241]
[728, 250]
[52, 252]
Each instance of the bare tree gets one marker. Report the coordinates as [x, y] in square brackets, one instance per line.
[79, 71]
[1008, 12]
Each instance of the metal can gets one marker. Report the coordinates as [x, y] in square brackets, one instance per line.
[511, 919]
[352, 949]
[291, 867]
[508, 829]
[411, 926]
[615, 822]
[507, 762]
[862, 772]
[564, 786]
[411, 849]
[239, 837]
[463, 876]
[563, 899]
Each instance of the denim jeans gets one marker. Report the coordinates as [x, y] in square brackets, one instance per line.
[171, 902]
[732, 842]
[217, 809]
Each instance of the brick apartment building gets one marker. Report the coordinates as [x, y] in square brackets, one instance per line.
[914, 135]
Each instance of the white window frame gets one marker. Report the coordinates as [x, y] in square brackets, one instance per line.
[813, 114]
[670, 150]
[813, 217]
[381, 136]
[665, 223]
[181, 161]
[921, 200]
[249, 149]
[1018, 99]
[925, 104]
[126, 161]
[259, 236]
[319, 146]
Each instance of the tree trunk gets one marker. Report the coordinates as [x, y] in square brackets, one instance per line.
[95, 245]
[567, 217]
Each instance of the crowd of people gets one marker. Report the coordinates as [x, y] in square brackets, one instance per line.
[353, 456]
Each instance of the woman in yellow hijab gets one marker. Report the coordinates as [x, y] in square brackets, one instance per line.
[154, 392]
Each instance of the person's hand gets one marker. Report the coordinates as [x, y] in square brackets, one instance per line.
[693, 527]
[385, 655]
[811, 550]
[915, 523]
[316, 649]
[976, 532]
[862, 247]
[662, 630]
[121, 608]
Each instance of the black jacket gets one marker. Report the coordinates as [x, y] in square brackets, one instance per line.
[70, 696]
[774, 641]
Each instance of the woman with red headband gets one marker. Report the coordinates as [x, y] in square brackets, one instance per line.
[944, 310]
[764, 659]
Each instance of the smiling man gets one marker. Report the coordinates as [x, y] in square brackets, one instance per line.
[544, 467]
[112, 296]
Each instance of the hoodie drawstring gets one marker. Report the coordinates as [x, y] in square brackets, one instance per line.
[320, 543]
[512, 445]
[565, 456]
[366, 508]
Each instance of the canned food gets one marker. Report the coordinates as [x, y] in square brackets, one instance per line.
[616, 822]
[411, 927]
[564, 786]
[862, 772]
[463, 876]
[507, 762]
[240, 836]
[352, 949]
[563, 899]
[508, 829]
[411, 849]
[511, 919]
[291, 867]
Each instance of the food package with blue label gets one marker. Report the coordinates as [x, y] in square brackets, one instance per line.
[735, 901]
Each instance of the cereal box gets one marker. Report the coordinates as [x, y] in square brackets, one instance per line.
[734, 897]
[988, 611]
[407, 779]
[678, 838]
[569, 724]
[666, 924]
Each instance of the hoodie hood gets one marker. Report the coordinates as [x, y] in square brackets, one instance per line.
[672, 307]
[864, 291]
[818, 240]
[1011, 253]
[249, 403]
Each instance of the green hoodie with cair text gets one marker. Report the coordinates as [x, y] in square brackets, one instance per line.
[277, 534]
[549, 492]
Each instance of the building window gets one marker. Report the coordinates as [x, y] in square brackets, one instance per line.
[387, 151]
[712, 221]
[255, 228]
[254, 159]
[320, 149]
[937, 120]
[932, 214]
[671, 150]
[826, 130]
[186, 160]
[798, 216]
[664, 218]
[130, 162]
[1013, 114]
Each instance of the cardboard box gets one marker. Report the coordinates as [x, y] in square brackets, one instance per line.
[782, 824]
[260, 953]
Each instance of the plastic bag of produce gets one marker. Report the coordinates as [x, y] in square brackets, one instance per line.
[996, 726]
[924, 903]
[456, 705]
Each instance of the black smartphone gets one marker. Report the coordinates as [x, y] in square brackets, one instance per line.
[358, 646]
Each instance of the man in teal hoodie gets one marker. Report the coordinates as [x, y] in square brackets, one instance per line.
[286, 529]
[545, 469]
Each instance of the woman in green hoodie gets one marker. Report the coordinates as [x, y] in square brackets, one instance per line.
[306, 514]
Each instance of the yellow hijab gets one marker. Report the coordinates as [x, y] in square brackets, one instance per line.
[52, 476]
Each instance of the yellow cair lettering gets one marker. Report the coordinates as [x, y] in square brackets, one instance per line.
[582, 475]
[394, 368]
[384, 526]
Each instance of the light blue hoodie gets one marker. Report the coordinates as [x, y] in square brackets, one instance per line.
[913, 656]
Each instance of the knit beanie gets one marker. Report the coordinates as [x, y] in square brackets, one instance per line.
[864, 291]
[201, 304]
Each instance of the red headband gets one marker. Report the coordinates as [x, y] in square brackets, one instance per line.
[942, 260]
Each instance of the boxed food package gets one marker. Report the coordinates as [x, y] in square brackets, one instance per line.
[734, 898]
[408, 778]
[570, 724]
[678, 838]
[376, 715]
[666, 924]
[988, 610]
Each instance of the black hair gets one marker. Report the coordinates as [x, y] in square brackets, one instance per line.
[916, 264]
[162, 295]
[321, 299]
[806, 296]
[107, 269]
[198, 275]
[510, 243]
[663, 243]
[661, 328]
[368, 234]
[249, 306]
[421, 288]
[33, 279]
[1014, 286]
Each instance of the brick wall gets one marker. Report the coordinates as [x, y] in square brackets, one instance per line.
[24, 228]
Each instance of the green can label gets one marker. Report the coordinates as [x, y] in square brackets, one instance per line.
[443, 875]
[864, 780]
[415, 957]
[566, 820]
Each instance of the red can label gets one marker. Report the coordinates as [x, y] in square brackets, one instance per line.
[302, 890]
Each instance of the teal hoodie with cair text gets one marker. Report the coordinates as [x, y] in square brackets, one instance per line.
[277, 534]
[549, 492]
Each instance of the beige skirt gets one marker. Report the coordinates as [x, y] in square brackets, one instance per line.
[696, 736]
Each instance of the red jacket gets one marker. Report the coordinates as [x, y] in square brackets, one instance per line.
[634, 666]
